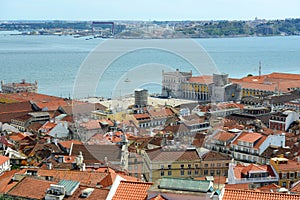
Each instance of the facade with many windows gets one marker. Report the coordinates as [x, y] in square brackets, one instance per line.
[288, 171]
[214, 164]
[249, 146]
[214, 87]
[19, 87]
[171, 161]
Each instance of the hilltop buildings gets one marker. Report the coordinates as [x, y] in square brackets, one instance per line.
[19, 87]
[203, 88]
[149, 151]
[219, 87]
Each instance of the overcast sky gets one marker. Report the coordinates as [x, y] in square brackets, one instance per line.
[148, 9]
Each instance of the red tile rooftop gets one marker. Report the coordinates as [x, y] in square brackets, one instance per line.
[41, 100]
[296, 187]
[48, 126]
[269, 188]
[5, 180]
[141, 116]
[241, 186]
[85, 178]
[15, 107]
[240, 169]
[234, 194]
[253, 167]
[224, 136]
[291, 165]
[132, 190]
[201, 79]
[160, 113]
[172, 155]
[91, 124]
[17, 136]
[3, 159]
[249, 137]
[67, 144]
[31, 188]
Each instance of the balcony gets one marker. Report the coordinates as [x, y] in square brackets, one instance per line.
[244, 151]
[245, 160]
[256, 180]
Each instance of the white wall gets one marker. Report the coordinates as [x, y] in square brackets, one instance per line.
[274, 140]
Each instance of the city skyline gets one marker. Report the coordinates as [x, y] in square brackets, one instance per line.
[148, 10]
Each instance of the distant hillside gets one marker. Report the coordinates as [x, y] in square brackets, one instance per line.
[162, 29]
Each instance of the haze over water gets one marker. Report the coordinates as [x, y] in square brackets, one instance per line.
[54, 61]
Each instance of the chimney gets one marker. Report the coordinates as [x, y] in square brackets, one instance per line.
[49, 165]
[60, 159]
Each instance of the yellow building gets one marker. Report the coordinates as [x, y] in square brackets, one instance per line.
[288, 171]
[171, 161]
[214, 164]
[196, 88]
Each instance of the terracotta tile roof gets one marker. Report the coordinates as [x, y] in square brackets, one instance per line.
[7, 117]
[141, 116]
[241, 186]
[10, 111]
[270, 82]
[23, 118]
[91, 124]
[272, 152]
[41, 100]
[201, 79]
[180, 128]
[17, 136]
[48, 126]
[193, 120]
[5, 181]
[199, 139]
[97, 194]
[160, 113]
[261, 140]
[249, 137]
[211, 155]
[131, 190]
[16, 107]
[269, 188]
[79, 107]
[291, 165]
[296, 187]
[98, 139]
[3, 159]
[85, 177]
[232, 194]
[113, 139]
[43, 150]
[97, 153]
[67, 144]
[68, 118]
[253, 167]
[241, 170]
[31, 188]
[165, 154]
[289, 76]
[224, 136]
[34, 127]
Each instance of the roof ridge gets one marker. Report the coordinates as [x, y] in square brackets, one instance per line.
[131, 181]
[258, 191]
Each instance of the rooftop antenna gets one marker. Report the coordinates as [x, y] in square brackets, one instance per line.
[259, 69]
[106, 163]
